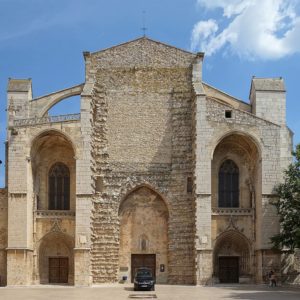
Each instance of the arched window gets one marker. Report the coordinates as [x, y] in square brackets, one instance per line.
[229, 184]
[59, 187]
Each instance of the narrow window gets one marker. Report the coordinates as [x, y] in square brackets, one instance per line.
[189, 185]
[99, 184]
[59, 187]
[228, 114]
[229, 184]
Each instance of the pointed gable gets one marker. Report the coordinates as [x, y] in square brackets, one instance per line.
[142, 52]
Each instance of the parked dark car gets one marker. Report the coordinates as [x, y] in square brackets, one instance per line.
[144, 279]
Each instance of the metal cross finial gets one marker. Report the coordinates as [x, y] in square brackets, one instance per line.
[144, 28]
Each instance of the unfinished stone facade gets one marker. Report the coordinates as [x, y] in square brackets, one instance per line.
[134, 179]
[3, 235]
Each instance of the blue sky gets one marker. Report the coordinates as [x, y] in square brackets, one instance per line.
[44, 40]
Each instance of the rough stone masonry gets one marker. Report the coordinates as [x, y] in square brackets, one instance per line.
[148, 171]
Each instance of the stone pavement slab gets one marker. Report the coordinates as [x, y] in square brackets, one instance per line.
[163, 292]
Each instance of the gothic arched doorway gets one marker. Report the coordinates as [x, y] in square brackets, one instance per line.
[144, 234]
[232, 258]
[56, 259]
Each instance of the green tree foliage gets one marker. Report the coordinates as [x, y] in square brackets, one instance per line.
[288, 207]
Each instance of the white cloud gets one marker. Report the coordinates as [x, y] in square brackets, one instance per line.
[266, 29]
[204, 30]
[230, 7]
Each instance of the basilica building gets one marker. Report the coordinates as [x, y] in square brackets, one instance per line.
[159, 169]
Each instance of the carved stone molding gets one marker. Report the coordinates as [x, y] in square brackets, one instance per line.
[46, 214]
[232, 211]
[47, 119]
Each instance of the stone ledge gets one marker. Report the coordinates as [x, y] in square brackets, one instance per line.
[232, 211]
[82, 249]
[19, 249]
[43, 214]
[46, 119]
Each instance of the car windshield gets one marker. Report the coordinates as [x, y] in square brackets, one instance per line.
[143, 273]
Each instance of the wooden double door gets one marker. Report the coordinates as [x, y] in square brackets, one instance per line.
[58, 269]
[143, 260]
[229, 269]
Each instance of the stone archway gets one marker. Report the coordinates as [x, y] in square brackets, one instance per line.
[47, 149]
[56, 259]
[144, 234]
[244, 189]
[242, 151]
[232, 259]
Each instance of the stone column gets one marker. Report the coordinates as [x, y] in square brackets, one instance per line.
[202, 179]
[84, 192]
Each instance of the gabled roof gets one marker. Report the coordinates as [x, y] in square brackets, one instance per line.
[141, 52]
[219, 95]
[144, 38]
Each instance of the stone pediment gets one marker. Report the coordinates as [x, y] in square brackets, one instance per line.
[142, 52]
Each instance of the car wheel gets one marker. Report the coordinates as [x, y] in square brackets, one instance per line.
[153, 288]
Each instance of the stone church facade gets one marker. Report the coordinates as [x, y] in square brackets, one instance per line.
[159, 169]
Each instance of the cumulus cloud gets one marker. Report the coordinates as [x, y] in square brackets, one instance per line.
[266, 29]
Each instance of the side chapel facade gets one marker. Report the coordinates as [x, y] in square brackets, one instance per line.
[159, 169]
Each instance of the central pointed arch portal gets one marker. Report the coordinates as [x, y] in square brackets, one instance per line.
[143, 234]
[232, 259]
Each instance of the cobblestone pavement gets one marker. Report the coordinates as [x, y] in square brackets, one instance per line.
[163, 292]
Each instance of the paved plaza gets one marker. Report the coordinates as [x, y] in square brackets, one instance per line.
[163, 292]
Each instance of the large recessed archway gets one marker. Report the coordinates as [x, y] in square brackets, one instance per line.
[144, 234]
[236, 199]
[242, 151]
[56, 259]
[47, 150]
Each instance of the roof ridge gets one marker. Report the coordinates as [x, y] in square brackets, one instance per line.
[143, 38]
[226, 94]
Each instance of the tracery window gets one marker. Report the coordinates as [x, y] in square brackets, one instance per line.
[229, 184]
[59, 187]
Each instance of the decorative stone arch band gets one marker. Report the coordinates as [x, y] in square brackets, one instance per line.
[33, 141]
[253, 138]
[130, 187]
